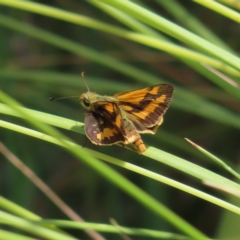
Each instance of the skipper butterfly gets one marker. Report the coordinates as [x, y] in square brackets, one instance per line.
[123, 117]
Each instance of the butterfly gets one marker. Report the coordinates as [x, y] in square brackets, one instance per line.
[123, 117]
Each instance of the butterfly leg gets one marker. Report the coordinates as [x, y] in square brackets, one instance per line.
[85, 144]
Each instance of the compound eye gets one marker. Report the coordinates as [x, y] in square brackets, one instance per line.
[86, 102]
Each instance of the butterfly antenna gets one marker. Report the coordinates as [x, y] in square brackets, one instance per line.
[60, 98]
[82, 74]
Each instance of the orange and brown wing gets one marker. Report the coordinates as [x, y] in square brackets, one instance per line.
[104, 125]
[146, 106]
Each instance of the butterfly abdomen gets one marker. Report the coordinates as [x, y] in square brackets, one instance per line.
[140, 145]
[132, 136]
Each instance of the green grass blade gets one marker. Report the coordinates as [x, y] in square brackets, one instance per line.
[6, 235]
[17, 210]
[191, 22]
[26, 225]
[173, 30]
[218, 7]
[215, 159]
[113, 229]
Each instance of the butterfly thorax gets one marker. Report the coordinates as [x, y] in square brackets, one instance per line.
[89, 100]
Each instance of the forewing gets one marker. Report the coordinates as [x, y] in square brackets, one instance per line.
[103, 126]
[146, 106]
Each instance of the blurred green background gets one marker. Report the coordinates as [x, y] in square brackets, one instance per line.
[32, 70]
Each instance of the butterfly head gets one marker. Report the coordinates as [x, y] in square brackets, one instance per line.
[86, 100]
